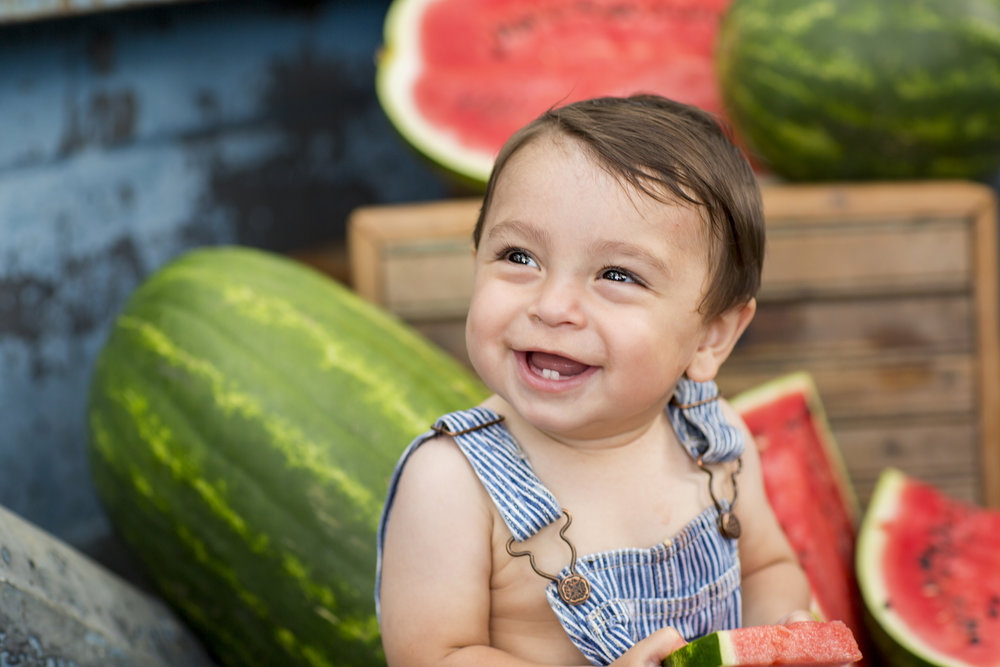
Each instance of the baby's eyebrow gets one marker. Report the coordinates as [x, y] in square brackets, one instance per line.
[518, 229]
[624, 248]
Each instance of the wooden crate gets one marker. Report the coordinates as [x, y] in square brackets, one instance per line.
[886, 293]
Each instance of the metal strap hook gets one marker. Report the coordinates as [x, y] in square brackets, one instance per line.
[573, 589]
[729, 525]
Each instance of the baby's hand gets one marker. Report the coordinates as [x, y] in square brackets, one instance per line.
[797, 616]
[651, 651]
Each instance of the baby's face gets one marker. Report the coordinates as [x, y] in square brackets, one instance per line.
[585, 306]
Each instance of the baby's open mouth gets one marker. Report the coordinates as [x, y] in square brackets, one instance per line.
[554, 366]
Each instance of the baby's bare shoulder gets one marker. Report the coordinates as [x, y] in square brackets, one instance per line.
[438, 457]
[438, 472]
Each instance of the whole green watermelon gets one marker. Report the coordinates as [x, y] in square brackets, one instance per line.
[246, 413]
[865, 89]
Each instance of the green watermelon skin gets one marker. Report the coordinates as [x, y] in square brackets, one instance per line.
[245, 415]
[858, 90]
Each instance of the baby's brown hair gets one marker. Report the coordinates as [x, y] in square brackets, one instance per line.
[677, 154]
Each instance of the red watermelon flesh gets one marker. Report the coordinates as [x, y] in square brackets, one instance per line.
[487, 67]
[822, 541]
[806, 643]
[566, 51]
[930, 572]
[817, 644]
[809, 490]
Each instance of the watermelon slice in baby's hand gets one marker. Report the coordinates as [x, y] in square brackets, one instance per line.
[812, 643]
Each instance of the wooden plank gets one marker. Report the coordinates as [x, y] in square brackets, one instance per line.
[961, 487]
[429, 279]
[854, 204]
[904, 385]
[394, 250]
[817, 328]
[943, 452]
[810, 260]
[988, 344]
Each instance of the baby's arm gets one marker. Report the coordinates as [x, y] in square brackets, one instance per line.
[435, 595]
[775, 589]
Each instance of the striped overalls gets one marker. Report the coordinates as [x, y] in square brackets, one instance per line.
[690, 582]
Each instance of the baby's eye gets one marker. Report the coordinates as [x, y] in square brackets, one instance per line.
[619, 275]
[518, 256]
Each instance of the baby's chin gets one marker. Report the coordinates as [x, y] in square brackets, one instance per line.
[567, 425]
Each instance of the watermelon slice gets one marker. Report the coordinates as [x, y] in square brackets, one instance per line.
[809, 489]
[458, 77]
[929, 571]
[808, 643]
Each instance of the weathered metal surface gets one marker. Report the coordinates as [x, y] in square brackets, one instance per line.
[129, 137]
[33, 10]
[58, 607]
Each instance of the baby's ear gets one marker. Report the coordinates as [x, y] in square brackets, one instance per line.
[718, 339]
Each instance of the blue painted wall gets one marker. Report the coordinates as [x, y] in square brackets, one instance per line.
[128, 137]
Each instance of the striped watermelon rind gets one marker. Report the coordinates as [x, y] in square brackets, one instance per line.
[245, 415]
[855, 90]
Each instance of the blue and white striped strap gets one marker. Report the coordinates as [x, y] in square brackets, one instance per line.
[699, 423]
[525, 504]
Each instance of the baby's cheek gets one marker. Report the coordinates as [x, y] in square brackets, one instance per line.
[478, 343]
